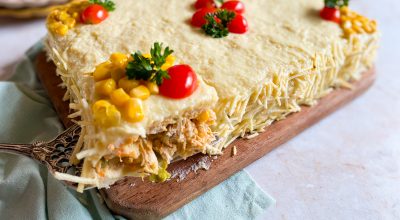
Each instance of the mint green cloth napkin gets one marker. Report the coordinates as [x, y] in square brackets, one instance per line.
[28, 191]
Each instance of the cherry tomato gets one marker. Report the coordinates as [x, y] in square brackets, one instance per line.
[198, 19]
[330, 14]
[236, 6]
[204, 4]
[94, 14]
[181, 84]
[238, 25]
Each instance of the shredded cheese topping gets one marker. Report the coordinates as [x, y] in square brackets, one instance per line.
[244, 111]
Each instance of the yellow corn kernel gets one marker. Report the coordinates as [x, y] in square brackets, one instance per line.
[348, 32]
[62, 30]
[105, 87]
[165, 66]
[344, 18]
[347, 24]
[141, 92]
[51, 18]
[105, 114]
[344, 10]
[100, 104]
[358, 29]
[119, 97]
[70, 22]
[62, 16]
[153, 88]
[119, 60]
[58, 28]
[170, 59]
[128, 84]
[117, 74]
[372, 30]
[204, 116]
[103, 71]
[147, 55]
[373, 25]
[132, 111]
[75, 15]
[367, 29]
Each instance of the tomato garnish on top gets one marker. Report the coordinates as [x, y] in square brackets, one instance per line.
[182, 82]
[94, 14]
[236, 6]
[238, 25]
[198, 19]
[204, 4]
[330, 14]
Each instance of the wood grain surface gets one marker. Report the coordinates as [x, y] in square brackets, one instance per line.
[137, 199]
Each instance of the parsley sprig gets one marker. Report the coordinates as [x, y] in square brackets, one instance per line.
[336, 3]
[109, 5]
[149, 69]
[218, 29]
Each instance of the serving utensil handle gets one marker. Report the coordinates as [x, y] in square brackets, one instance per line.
[19, 149]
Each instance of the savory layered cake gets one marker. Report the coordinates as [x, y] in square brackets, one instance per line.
[155, 81]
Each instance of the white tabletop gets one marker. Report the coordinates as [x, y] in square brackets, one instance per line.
[345, 167]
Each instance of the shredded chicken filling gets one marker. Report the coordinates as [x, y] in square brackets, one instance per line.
[150, 155]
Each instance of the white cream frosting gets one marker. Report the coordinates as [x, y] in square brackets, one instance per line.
[289, 57]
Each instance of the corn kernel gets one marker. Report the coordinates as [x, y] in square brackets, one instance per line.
[75, 15]
[128, 84]
[153, 88]
[344, 10]
[100, 104]
[133, 110]
[204, 116]
[105, 114]
[354, 23]
[165, 66]
[373, 24]
[373, 29]
[103, 71]
[58, 28]
[119, 97]
[368, 29]
[62, 30]
[105, 87]
[170, 59]
[119, 60]
[70, 22]
[344, 18]
[147, 55]
[358, 29]
[347, 24]
[141, 92]
[349, 32]
[62, 16]
[117, 74]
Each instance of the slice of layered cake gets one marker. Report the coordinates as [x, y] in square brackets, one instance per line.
[148, 86]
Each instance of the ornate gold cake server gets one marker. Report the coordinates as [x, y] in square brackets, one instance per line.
[55, 154]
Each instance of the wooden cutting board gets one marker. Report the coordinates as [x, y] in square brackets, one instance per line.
[137, 199]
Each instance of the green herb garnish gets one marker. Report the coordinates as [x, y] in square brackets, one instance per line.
[149, 69]
[107, 4]
[336, 3]
[218, 29]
